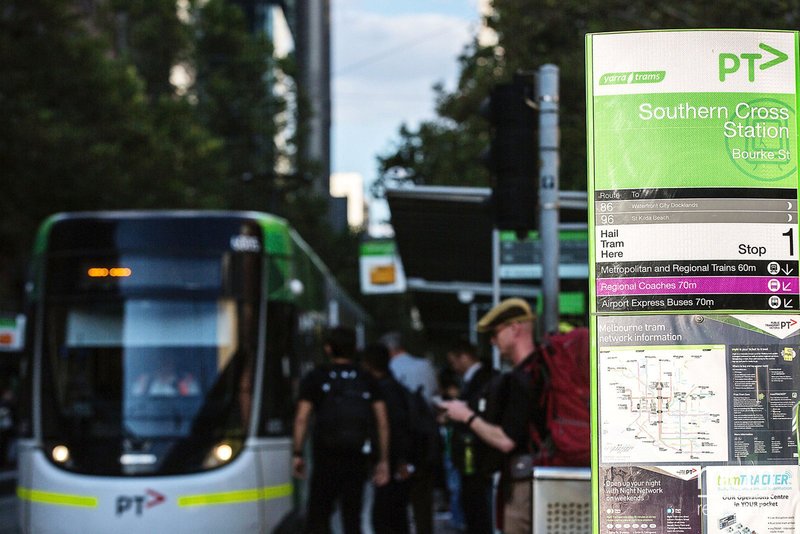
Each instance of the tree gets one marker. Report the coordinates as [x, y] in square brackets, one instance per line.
[234, 70]
[92, 121]
[150, 35]
[447, 150]
[78, 129]
[532, 33]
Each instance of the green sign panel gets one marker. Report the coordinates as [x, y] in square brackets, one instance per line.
[693, 165]
[695, 280]
[381, 271]
[522, 259]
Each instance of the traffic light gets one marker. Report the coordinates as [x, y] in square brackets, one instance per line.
[513, 156]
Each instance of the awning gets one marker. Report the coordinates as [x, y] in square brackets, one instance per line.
[444, 238]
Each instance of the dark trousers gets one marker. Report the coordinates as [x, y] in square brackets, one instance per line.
[336, 478]
[389, 508]
[420, 494]
[476, 499]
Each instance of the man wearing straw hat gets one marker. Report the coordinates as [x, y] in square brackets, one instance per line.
[511, 327]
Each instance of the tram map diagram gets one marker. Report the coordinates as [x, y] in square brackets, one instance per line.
[663, 404]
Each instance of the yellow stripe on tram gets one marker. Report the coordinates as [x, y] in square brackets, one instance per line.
[235, 497]
[57, 499]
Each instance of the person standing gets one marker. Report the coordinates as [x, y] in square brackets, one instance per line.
[510, 325]
[468, 450]
[450, 387]
[416, 374]
[393, 496]
[347, 404]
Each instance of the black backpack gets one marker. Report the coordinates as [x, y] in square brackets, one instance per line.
[344, 417]
[426, 449]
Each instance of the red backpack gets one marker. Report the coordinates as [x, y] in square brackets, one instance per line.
[565, 398]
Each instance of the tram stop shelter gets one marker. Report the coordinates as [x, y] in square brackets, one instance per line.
[444, 239]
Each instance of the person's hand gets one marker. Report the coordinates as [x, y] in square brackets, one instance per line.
[439, 410]
[298, 467]
[403, 472]
[381, 476]
[456, 410]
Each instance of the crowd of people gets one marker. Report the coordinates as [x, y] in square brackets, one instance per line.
[360, 412]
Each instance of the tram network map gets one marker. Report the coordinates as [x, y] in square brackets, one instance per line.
[664, 404]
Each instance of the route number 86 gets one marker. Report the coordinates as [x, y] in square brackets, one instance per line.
[606, 207]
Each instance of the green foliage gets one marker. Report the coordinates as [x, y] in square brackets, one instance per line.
[532, 33]
[149, 34]
[91, 120]
[236, 74]
[449, 149]
[78, 130]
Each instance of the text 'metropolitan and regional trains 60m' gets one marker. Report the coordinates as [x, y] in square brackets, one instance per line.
[164, 350]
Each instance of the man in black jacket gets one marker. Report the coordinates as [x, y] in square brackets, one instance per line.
[510, 326]
[469, 452]
[344, 399]
[390, 502]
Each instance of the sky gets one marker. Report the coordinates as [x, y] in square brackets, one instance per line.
[386, 56]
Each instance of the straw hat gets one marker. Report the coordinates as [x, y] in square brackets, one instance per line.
[508, 311]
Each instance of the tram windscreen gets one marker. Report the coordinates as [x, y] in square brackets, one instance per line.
[163, 379]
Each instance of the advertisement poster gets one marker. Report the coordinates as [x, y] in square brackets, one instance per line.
[650, 500]
[692, 143]
[753, 499]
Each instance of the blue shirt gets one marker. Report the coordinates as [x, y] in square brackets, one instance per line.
[414, 372]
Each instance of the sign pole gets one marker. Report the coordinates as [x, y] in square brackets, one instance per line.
[547, 101]
[495, 286]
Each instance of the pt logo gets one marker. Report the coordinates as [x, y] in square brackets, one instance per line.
[137, 504]
[730, 63]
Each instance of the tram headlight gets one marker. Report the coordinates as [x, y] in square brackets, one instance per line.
[60, 454]
[222, 453]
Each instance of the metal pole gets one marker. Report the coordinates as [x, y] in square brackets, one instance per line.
[473, 321]
[495, 286]
[547, 100]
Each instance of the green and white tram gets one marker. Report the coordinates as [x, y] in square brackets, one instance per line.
[165, 349]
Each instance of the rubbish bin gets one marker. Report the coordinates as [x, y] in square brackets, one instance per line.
[562, 500]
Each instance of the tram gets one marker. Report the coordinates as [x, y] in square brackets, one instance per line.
[165, 353]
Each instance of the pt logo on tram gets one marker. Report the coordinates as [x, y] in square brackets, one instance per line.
[138, 503]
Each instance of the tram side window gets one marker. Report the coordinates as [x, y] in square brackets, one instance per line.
[277, 407]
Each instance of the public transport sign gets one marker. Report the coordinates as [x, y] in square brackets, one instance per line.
[12, 333]
[694, 275]
[521, 259]
[381, 270]
[694, 171]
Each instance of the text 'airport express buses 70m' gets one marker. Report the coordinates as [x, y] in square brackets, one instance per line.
[164, 352]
